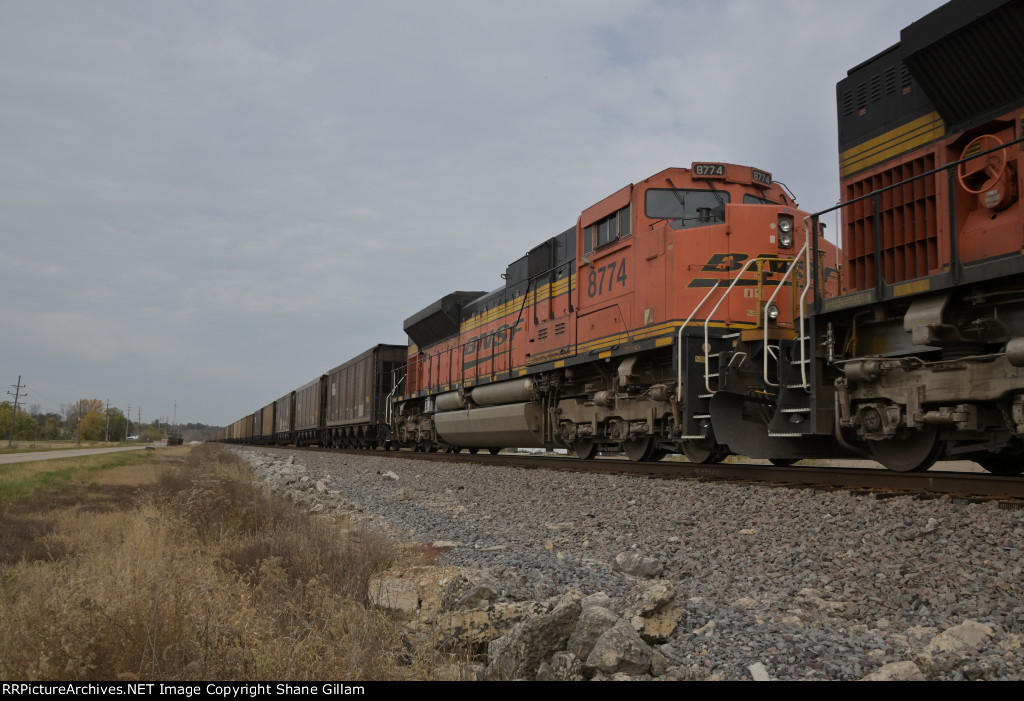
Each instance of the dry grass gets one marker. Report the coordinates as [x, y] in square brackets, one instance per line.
[191, 572]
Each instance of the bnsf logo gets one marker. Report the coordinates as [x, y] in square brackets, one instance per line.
[720, 262]
[495, 338]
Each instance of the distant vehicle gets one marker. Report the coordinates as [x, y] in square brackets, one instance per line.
[133, 438]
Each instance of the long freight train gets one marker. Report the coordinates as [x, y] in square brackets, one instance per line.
[700, 311]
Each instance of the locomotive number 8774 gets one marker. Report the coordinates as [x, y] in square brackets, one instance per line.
[616, 334]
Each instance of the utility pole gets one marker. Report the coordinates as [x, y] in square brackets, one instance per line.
[128, 422]
[106, 431]
[14, 414]
[79, 422]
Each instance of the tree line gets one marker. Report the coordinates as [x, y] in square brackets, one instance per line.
[87, 420]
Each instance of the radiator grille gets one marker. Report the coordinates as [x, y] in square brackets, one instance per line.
[909, 237]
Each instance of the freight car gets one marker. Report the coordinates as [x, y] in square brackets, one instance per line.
[346, 407]
[356, 399]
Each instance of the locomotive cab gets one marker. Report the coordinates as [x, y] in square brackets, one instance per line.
[686, 283]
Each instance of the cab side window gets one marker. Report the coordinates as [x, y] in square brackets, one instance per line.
[608, 230]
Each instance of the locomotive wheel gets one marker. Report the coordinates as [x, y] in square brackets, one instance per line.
[915, 453]
[473, 451]
[639, 449]
[585, 448]
[782, 462]
[494, 451]
[704, 451]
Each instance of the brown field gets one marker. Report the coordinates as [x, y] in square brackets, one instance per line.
[175, 565]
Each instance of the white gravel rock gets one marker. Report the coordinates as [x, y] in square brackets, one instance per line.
[810, 585]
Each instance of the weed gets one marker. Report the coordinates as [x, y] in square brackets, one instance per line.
[191, 571]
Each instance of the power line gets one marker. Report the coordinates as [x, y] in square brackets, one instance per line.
[14, 414]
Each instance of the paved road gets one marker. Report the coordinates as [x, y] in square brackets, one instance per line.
[54, 454]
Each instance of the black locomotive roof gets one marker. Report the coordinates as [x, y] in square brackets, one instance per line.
[439, 320]
[964, 60]
[969, 58]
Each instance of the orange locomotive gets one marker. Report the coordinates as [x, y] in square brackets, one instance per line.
[922, 357]
[608, 335]
[927, 347]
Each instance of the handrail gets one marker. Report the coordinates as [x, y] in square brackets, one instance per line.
[707, 342]
[789, 271]
[387, 411]
[679, 340]
[811, 283]
[759, 262]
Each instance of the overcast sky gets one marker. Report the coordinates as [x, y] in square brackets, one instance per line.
[210, 203]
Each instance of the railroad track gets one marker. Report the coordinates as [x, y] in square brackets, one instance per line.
[968, 486]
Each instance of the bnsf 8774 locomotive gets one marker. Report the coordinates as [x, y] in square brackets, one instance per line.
[700, 311]
[585, 344]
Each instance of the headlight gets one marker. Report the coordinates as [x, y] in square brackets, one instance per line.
[773, 312]
[785, 232]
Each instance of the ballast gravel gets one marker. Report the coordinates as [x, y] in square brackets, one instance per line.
[780, 583]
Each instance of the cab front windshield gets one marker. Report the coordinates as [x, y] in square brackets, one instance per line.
[684, 209]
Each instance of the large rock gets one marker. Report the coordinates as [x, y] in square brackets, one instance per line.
[564, 667]
[460, 605]
[969, 635]
[470, 589]
[636, 564]
[652, 610]
[519, 653]
[952, 648]
[905, 671]
[598, 599]
[399, 597]
[475, 629]
[477, 588]
[413, 593]
[593, 622]
[620, 650]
